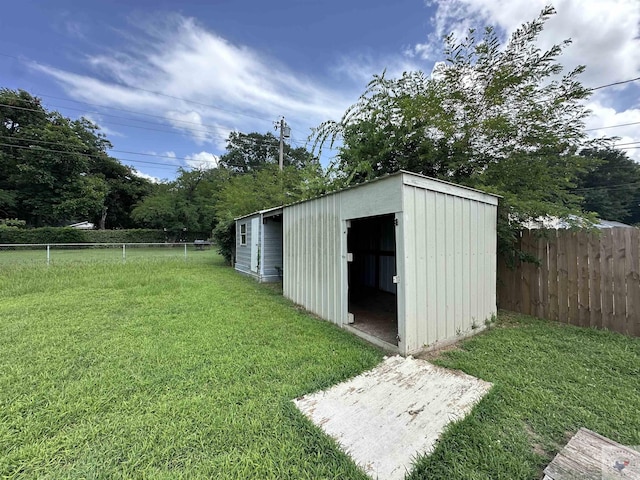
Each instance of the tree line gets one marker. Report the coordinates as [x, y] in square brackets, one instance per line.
[503, 118]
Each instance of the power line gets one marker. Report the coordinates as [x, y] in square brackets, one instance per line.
[165, 164]
[136, 120]
[82, 153]
[628, 143]
[41, 149]
[615, 83]
[133, 112]
[612, 126]
[242, 140]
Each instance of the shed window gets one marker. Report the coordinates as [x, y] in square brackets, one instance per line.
[243, 234]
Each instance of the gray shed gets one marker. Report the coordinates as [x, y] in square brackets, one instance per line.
[404, 261]
[259, 245]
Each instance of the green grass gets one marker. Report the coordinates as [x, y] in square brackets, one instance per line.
[161, 368]
[549, 380]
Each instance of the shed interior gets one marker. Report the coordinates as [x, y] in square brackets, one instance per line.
[371, 243]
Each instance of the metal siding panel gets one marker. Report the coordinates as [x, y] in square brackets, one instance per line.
[378, 198]
[449, 189]
[466, 240]
[491, 262]
[422, 266]
[459, 323]
[312, 227]
[431, 269]
[493, 252]
[312, 251]
[410, 270]
[322, 259]
[441, 268]
[344, 273]
[401, 265]
[487, 269]
[481, 262]
[450, 264]
[474, 260]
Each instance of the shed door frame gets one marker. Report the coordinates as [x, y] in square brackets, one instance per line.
[255, 244]
[400, 272]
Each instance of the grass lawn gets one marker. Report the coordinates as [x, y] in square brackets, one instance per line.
[162, 368]
[549, 380]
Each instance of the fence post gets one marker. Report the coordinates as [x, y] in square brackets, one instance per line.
[124, 252]
[185, 251]
[48, 255]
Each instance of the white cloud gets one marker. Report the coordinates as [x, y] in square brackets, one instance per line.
[140, 174]
[202, 160]
[361, 68]
[605, 35]
[227, 86]
[604, 116]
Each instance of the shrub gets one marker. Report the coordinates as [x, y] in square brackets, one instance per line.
[13, 234]
[224, 236]
[41, 235]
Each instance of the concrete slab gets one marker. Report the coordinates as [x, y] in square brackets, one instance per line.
[387, 416]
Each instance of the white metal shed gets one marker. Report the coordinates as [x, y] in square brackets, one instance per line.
[405, 261]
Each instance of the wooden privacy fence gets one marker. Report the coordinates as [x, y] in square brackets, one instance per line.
[585, 278]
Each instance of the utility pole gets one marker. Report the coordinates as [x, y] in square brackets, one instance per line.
[281, 143]
[285, 132]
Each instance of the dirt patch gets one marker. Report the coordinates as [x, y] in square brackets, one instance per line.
[438, 352]
[534, 438]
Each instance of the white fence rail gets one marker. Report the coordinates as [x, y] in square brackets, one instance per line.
[51, 249]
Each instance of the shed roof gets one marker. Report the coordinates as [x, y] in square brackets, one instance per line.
[363, 184]
[268, 212]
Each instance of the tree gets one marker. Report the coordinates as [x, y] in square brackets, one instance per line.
[611, 186]
[54, 170]
[261, 189]
[189, 202]
[257, 183]
[498, 118]
[249, 152]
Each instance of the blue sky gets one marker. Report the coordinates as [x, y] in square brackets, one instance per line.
[224, 65]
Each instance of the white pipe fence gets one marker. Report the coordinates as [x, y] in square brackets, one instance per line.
[88, 246]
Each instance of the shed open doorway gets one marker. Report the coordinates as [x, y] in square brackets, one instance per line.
[373, 305]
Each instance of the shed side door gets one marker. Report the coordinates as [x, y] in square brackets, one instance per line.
[255, 243]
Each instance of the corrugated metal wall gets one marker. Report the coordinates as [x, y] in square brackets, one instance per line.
[314, 244]
[445, 254]
[450, 265]
[312, 247]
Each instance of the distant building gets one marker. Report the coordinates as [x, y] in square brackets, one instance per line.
[573, 221]
[82, 225]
